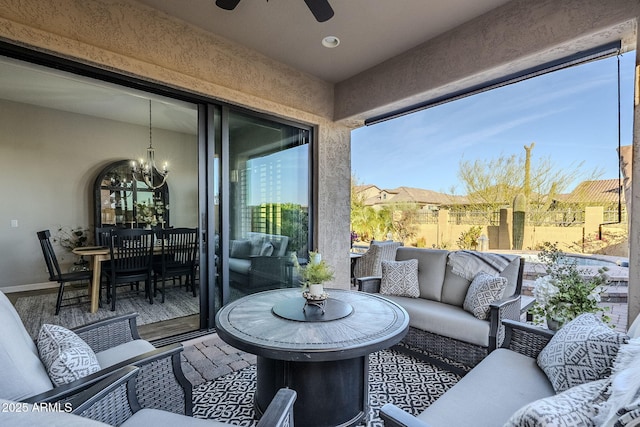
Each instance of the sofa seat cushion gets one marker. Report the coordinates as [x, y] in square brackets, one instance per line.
[122, 352]
[444, 319]
[21, 370]
[497, 387]
[158, 418]
[239, 265]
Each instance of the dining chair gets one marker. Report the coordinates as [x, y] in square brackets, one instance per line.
[55, 274]
[179, 247]
[131, 258]
[102, 235]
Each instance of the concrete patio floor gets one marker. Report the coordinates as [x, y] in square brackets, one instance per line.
[209, 357]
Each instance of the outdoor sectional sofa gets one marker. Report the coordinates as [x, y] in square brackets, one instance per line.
[440, 329]
[258, 261]
[586, 374]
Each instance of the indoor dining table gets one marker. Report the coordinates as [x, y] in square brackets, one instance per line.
[99, 254]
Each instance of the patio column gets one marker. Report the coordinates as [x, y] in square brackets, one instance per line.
[634, 214]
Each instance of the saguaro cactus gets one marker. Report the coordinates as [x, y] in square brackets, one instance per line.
[519, 212]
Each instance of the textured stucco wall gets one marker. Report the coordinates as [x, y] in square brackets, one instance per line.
[133, 39]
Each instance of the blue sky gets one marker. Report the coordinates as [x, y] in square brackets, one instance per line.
[571, 115]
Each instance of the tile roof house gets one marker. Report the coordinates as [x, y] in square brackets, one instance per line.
[598, 192]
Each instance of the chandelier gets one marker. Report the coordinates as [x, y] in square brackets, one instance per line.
[146, 170]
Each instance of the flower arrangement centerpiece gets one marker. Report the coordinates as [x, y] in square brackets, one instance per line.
[314, 274]
[72, 237]
[150, 213]
[564, 292]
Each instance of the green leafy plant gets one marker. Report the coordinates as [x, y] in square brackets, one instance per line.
[564, 293]
[317, 271]
[469, 239]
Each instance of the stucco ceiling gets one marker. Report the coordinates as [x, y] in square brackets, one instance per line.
[370, 31]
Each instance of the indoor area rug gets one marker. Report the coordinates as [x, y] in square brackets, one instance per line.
[393, 378]
[39, 309]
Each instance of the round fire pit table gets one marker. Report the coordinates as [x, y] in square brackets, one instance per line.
[324, 359]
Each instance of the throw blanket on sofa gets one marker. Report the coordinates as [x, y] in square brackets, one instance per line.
[469, 263]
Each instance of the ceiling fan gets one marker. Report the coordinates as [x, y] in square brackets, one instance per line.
[321, 9]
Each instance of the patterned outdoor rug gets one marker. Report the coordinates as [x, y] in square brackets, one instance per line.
[38, 309]
[393, 378]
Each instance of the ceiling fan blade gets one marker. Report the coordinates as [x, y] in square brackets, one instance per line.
[321, 9]
[227, 4]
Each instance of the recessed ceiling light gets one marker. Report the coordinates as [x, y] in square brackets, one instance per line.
[330, 42]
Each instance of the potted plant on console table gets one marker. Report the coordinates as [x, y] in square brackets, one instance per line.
[314, 275]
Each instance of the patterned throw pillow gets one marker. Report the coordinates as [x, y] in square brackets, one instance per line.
[623, 406]
[483, 290]
[583, 350]
[65, 355]
[400, 278]
[574, 407]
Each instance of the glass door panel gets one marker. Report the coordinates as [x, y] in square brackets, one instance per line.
[268, 203]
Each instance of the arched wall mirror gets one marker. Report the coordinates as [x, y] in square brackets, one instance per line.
[121, 201]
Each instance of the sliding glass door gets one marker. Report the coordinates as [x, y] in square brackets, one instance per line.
[268, 196]
[241, 178]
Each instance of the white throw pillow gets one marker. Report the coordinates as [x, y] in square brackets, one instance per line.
[400, 278]
[483, 290]
[625, 387]
[65, 355]
[581, 351]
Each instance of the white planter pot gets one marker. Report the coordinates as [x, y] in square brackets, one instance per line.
[316, 290]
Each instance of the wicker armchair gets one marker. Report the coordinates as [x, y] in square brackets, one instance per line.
[161, 383]
[112, 401]
[519, 337]
[370, 263]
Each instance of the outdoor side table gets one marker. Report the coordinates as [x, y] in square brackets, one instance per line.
[325, 358]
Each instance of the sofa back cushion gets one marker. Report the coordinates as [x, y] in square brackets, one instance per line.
[432, 264]
[21, 371]
[511, 274]
[455, 287]
[258, 240]
[240, 249]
